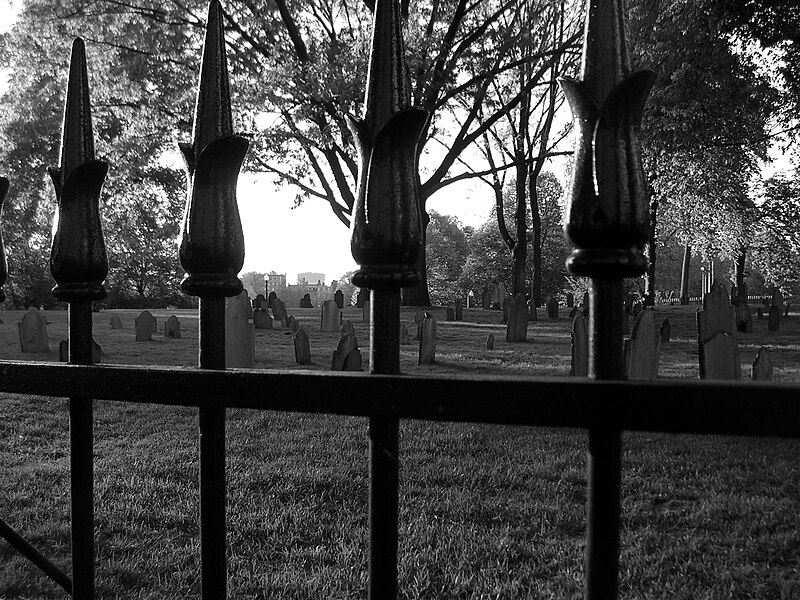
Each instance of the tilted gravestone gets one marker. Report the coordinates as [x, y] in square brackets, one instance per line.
[302, 349]
[331, 318]
[642, 348]
[404, 335]
[744, 320]
[115, 322]
[427, 343]
[579, 366]
[338, 297]
[552, 308]
[459, 308]
[261, 319]
[665, 330]
[774, 318]
[716, 335]
[490, 341]
[145, 325]
[33, 332]
[762, 366]
[240, 337]
[63, 352]
[259, 302]
[517, 327]
[347, 356]
[279, 312]
[172, 327]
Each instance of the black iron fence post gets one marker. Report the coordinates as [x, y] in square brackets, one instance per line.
[608, 224]
[385, 242]
[79, 266]
[212, 254]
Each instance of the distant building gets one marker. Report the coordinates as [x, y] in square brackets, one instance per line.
[317, 279]
[309, 283]
[276, 282]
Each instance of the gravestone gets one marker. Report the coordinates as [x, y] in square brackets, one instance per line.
[506, 309]
[570, 299]
[498, 295]
[486, 301]
[419, 317]
[762, 366]
[365, 312]
[347, 327]
[261, 319]
[490, 341]
[459, 308]
[305, 301]
[744, 320]
[63, 352]
[292, 324]
[450, 314]
[552, 308]
[338, 297]
[665, 330]
[115, 322]
[331, 319]
[271, 299]
[145, 325]
[302, 349]
[642, 348]
[716, 335]
[579, 366]
[427, 343]
[33, 331]
[279, 312]
[259, 301]
[517, 327]
[774, 318]
[347, 355]
[404, 336]
[172, 327]
[240, 337]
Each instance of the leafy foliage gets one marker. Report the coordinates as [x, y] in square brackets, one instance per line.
[447, 252]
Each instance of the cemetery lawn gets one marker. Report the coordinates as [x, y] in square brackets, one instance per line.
[486, 511]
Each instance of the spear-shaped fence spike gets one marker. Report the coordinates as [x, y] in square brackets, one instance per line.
[212, 242]
[78, 256]
[3, 261]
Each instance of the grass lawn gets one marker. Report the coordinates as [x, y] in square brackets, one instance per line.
[486, 511]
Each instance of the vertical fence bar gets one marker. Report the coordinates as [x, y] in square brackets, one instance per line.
[608, 223]
[386, 236]
[79, 265]
[212, 254]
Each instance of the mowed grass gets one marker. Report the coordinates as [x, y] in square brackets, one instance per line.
[486, 511]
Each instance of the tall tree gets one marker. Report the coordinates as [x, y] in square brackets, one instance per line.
[447, 253]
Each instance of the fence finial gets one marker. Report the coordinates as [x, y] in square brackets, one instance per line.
[212, 242]
[608, 212]
[386, 228]
[78, 256]
[3, 261]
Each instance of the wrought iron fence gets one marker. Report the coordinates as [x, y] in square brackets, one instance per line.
[607, 224]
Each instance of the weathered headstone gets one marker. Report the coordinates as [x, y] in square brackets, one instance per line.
[450, 314]
[261, 319]
[338, 297]
[240, 337]
[762, 366]
[331, 319]
[774, 318]
[347, 327]
[580, 348]
[271, 299]
[365, 312]
[63, 352]
[665, 330]
[33, 332]
[305, 301]
[353, 361]
[172, 327]
[716, 335]
[552, 308]
[427, 345]
[302, 349]
[570, 299]
[145, 325]
[279, 312]
[744, 320]
[459, 308]
[490, 341]
[643, 348]
[259, 301]
[292, 324]
[517, 327]
[115, 322]
[347, 346]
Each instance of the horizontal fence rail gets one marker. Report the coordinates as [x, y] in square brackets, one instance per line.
[674, 406]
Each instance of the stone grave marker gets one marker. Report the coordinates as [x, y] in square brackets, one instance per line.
[716, 335]
[427, 343]
[404, 335]
[261, 319]
[347, 327]
[774, 318]
[665, 330]
[419, 317]
[115, 322]
[279, 312]
[302, 349]
[172, 327]
[762, 366]
[744, 320]
[240, 337]
[33, 331]
[552, 308]
[354, 362]
[347, 346]
[331, 320]
[305, 301]
[517, 327]
[450, 314]
[338, 297]
[490, 341]
[365, 312]
[642, 348]
[145, 325]
[292, 324]
[459, 309]
[570, 300]
[580, 348]
[271, 299]
[259, 302]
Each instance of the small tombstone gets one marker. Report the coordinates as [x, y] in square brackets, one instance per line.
[450, 314]
[331, 320]
[774, 318]
[240, 337]
[292, 324]
[762, 366]
[279, 312]
[490, 341]
[347, 327]
[404, 336]
[258, 301]
[486, 301]
[347, 346]
[570, 300]
[338, 297]
[363, 296]
[552, 308]
[517, 327]
[506, 309]
[33, 331]
[270, 299]
[365, 312]
[580, 348]
[172, 327]
[716, 334]
[145, 325]
[664, 330]
[63, 352]
[760, 312]
[459, 310]
[261, 319]
[305, 301]
[427, 343]
[643, 348]
[744, 320]
[302, 349]
[115, 322]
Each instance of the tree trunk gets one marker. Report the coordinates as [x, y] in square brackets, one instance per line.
[418, 295]
[741, 291]
[650, 274]
[687, 259]
[536, 226]
[519, 253]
